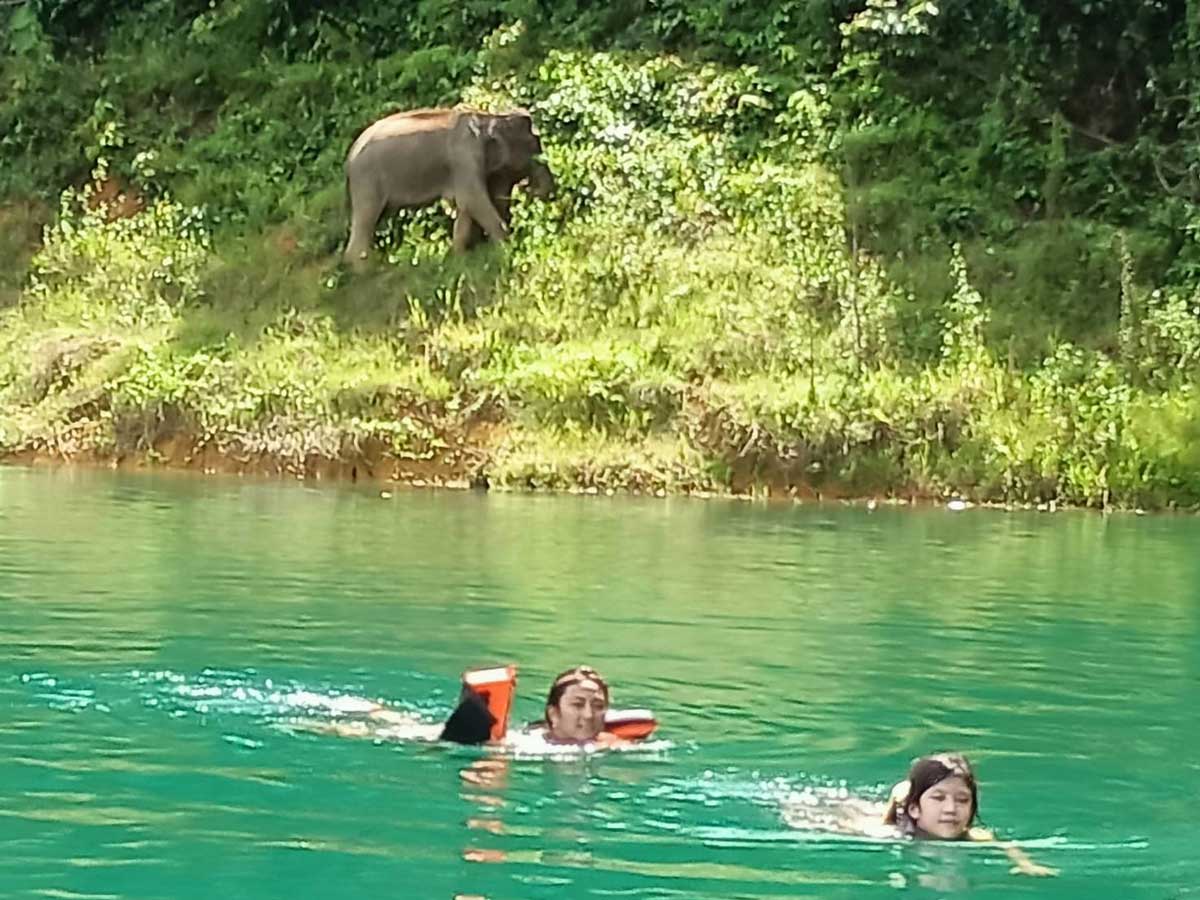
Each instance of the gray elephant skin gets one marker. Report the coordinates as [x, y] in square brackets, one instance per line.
[474, 159]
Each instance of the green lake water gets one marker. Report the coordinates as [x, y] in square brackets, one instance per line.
[159, 634]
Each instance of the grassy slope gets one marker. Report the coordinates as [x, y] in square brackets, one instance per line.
[688, 314]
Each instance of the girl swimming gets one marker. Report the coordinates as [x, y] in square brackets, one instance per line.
[940, 801]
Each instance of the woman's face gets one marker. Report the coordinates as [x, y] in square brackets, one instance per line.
[945, 810]
[579, 715]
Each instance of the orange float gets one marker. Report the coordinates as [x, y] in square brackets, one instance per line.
[630, 724]
[497, 686]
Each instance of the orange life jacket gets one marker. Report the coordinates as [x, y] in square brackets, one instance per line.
[498, 687]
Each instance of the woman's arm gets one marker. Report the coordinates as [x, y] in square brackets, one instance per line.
[608, 740]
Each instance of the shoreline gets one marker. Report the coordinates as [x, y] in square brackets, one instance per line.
[181, 456]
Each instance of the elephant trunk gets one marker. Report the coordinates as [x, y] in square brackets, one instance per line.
[540, 180]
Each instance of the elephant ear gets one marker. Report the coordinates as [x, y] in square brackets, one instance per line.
[495, 154]
[497, 142]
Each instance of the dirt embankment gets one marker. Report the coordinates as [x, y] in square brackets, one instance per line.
[451, 458]
[460, 462]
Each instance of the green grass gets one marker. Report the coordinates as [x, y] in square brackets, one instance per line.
[710, 303]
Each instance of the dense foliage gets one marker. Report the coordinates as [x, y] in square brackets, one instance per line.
[871, 246]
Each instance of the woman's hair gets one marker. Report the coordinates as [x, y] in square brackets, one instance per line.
[927, 771]
[573, 676]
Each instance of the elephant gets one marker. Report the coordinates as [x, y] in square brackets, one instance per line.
[472, 158]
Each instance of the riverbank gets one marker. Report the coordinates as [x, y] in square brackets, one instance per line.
[183, 456]
[480, 452]
[142, 339]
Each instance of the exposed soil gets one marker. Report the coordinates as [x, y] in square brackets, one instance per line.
[460, 465]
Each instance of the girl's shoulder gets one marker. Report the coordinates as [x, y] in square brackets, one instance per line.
[893, 811]
[978, 833]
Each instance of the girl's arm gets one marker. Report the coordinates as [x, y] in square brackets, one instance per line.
[1022, 864]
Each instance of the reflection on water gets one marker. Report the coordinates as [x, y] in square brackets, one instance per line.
[164, 636]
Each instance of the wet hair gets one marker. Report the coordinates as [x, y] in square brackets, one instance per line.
[927, 771]
[564, 680]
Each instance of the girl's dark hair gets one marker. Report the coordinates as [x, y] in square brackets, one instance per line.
[564, 680]
[928, 771]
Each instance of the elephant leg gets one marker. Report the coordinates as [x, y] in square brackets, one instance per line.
[364, 216]
[467, 232]
[500, 188]
[475, 203]
[504, 208]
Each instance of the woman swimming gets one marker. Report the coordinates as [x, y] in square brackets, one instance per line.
[940, 801]
[577, 712]
[576, 709]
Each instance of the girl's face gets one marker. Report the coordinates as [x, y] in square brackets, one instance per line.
[945, 810]
[579, 715]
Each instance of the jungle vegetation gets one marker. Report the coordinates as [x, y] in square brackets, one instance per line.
[836, 247]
